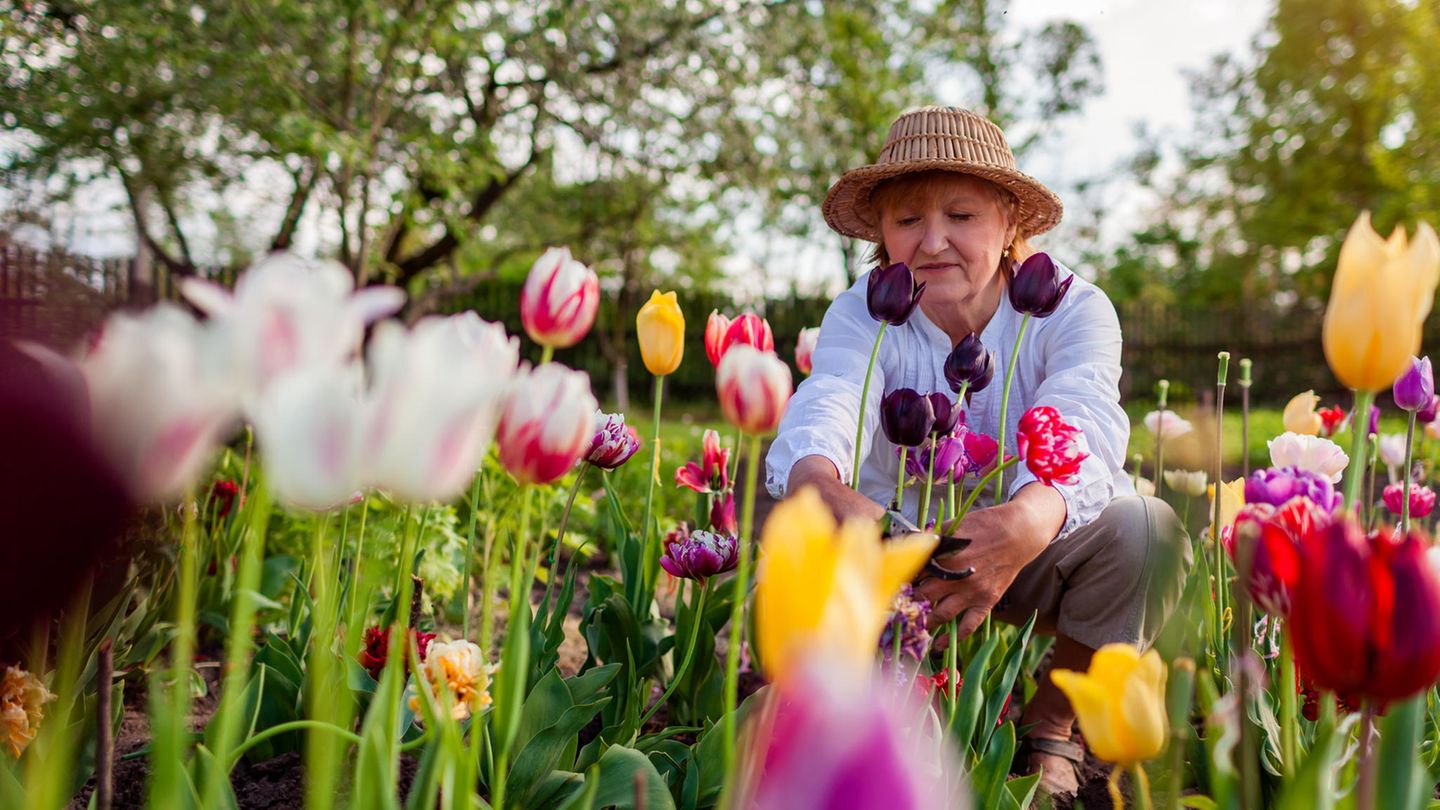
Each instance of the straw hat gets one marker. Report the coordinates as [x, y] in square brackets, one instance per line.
[946, 138]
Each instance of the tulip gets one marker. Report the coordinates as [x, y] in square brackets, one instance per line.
[827, 590]
[1049, 447]
[722, 514]
[980, 451]
[834, 742]
[715, 327]
[559, 300]
[891, 294]
[1277, 485]
[1426, 414]
[1187, 482]
[805, 349]
[1308, 453]
[906, 416]
[1379, 299]
[1375, 420]
[376, 649]
[1144, 486]
[1366, 616]
[310, 429]
[1119, 703]
[749, 329]
[969, 365]
[947, 414]
[1415, 388]
[1036, 288]
[158, 407]
[753, 387]
[436, 392]
[223, 494]
[1232, 500]
[1391, 447]
[1422, 500]
[950, 461]
[660, 328]
[907, 619]
[457, 671]
[1331, 419]
[286, 315]
[713, 473]
[547, 423]
[1300, 416]
[1166, 424]
[699, 554]
[614, 441]
[22, 706]
[1273, 536]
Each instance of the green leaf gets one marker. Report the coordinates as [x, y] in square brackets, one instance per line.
[552, 747]
[989, 776]
[1022, 789]
[621, 769]
[1002, 681]
[972, 694]
[510, 681]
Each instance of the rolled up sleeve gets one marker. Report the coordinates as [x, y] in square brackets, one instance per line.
[1079, 349]
[820, 419]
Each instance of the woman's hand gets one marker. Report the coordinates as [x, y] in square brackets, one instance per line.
[844, 502]
[1004, 539]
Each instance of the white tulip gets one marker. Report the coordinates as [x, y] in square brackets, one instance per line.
[1187, 482]
[308, 428]
[1312, 453]
[1167, 424]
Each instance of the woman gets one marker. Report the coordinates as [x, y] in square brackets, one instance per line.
[1095, 562]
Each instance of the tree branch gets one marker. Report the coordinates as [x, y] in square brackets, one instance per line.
[304, 184]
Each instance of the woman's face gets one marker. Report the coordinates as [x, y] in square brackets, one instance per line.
[951, 230]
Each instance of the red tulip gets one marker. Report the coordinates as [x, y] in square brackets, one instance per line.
[754, 387]
[1330, 419]
[751, 330]
[715, 328]
[1047, 445]
[1366, 613]
[1275, 534]
[712, 474]
[1422, 499]
[377, 649]
[722, 514]
[559, 300]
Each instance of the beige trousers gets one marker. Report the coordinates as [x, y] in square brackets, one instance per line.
[1115, 579]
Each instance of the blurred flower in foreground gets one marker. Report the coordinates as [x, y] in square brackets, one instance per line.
[22, 701]
[559, 300]
[460, 667]
[1331, 419]
[910, 612]
[1166, 424]
[754, 387]
[1271, 536]
[309, 428]
[749, 329]
[699, 554]
[1300, 415]
[1232, 499]
[1422, 499]
[805, 349]
[1382, 292]
[1187, 482]
[1277, 485]
[1119, 702]
[827, 589]
[614, 441]
[547, 423]
[1309, 453]
[840, 740]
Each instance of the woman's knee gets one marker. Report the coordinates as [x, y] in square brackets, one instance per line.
[1146, 538]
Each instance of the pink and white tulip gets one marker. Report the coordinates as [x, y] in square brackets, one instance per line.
[559, 300]
[754, 388]
[308, 428]
[715, 327]
[805, 349]
[435, 397]
[547, 423]
[1312, 453]
[157, 401]
[614, 441]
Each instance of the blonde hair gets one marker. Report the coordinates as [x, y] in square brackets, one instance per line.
[927, 186]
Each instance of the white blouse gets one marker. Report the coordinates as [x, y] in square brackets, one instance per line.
[1070, 361]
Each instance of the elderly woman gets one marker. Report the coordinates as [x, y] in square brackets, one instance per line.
[1095, 562]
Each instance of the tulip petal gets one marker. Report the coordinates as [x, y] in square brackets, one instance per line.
[795, 578]
[1091, 701]
[1142, 708]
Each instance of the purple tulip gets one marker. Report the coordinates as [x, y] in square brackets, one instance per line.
[892, 294]
[1036, 288]
[906, 416]
[1426, 415]
[947, 414]
[1277, 485]
[614, 441]
[951, 461]
[1375, 420]
[1415, 388]
[969, 362]
[911, 610]
[698, 554]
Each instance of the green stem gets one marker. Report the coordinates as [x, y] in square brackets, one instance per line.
[924, 513]
[865, 395]
[1405, 495]
[900, 481]
[650, 562]
[1355, 473]
[953, 675]
[285, 728]
[1142, 786]
[560, 534]
[975, 493]
[1289, 725]
[1365, 782]
[698, 618]
[546, 353]
[737, 624]
[470, 551]
[1005, 406]
[1221, 580]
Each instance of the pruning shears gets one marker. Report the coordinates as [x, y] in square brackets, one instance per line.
[897, 524]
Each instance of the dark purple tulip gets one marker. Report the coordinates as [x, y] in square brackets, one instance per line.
[947, 414]
[893, 294]
[969, 362]
[1414, 389]
[1277, 485]
[1426, 415]
[1036, 288]
[698, 554]
[906, 416]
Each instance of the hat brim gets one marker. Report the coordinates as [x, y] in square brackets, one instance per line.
[848, 211]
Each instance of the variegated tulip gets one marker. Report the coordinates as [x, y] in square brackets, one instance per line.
[805, 349]
[22, 700]
[753, 387]
[547, 423]
[715, 327]
[559, 300]
[309, 430]
[457, 671]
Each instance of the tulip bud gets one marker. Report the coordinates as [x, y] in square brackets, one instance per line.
[947, 414]
[1381, 294]
[906, 416]
[614, 441]
[1426, 414]
[1036, 288]
[753, 387]
[805, 349]
[559, 300]
[1415, 388]
[969, 362]
[660, 328]
[892, 293]
[722, 513]
[715, 327]
[547, 424]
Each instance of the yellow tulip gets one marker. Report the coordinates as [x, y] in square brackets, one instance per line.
[1379, 299]
[1120, 703]
[827, 590]
[1300, 416]
[1232, 500]
[660, 327]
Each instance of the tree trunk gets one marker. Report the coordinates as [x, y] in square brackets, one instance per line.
[620, 380]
